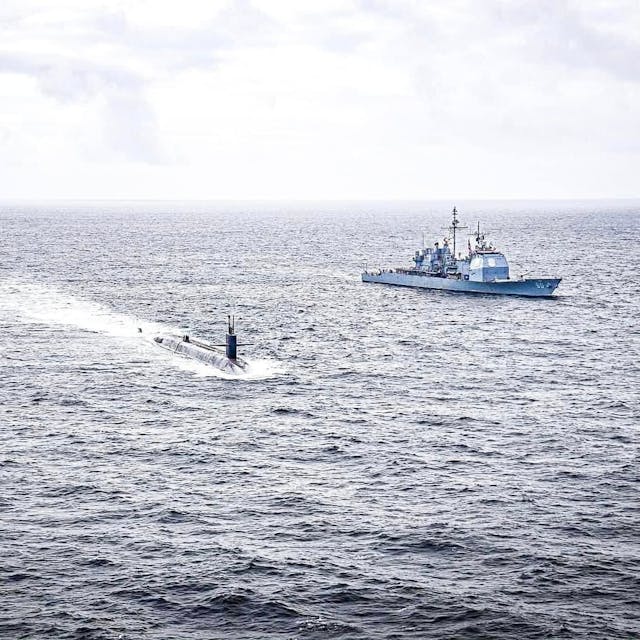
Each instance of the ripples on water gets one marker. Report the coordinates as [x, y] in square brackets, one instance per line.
[399, 463]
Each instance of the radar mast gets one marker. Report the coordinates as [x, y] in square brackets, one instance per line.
[455, 225]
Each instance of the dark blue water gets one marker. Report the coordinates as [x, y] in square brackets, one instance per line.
[398, 464]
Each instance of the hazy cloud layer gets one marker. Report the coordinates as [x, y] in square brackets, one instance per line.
[361, 98]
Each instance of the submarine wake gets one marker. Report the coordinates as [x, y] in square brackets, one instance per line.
[45, 305]
[258, 369]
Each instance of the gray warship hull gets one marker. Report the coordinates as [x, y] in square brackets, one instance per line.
[201, 351]
[530, 287]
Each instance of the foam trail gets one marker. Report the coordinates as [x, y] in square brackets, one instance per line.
[46, 305]
[49, 306]
[256, 369]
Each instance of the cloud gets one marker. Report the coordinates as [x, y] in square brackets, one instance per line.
[128, 121]
[347, 92]
[165, 48]
[74, 68]
[69, 79]
[131, 129]
[561, 32]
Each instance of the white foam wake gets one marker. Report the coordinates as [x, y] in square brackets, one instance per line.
[32, 302]
[49, 306]
[255, 370]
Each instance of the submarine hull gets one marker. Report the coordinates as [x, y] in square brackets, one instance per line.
[530, 287]
[201, 351]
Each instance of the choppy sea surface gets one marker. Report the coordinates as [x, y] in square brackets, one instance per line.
[397, 463]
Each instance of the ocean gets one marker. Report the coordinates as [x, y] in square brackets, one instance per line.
[397, 463]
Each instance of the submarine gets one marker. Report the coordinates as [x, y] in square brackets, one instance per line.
[227, 361]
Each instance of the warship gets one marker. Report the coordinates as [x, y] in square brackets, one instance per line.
[483, 270]
[227, 361]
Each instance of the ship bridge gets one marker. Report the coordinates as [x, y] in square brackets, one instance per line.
[488, 266]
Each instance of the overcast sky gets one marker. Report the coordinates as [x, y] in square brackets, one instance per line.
[391, 99]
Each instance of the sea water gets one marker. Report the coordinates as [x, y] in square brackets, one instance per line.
[398, 463]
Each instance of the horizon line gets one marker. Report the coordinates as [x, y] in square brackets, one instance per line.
[328, 200]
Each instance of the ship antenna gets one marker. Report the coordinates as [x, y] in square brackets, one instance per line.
[455, 225]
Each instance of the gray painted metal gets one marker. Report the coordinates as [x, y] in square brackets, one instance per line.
[201, 351]
[532, 287]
